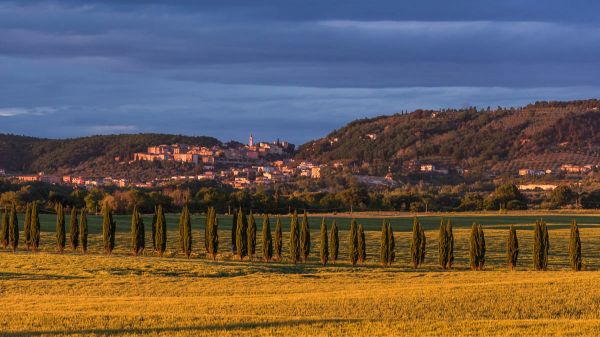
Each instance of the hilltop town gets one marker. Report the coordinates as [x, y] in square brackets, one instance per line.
[240, 166]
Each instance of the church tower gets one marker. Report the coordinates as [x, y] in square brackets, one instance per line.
[251, 141]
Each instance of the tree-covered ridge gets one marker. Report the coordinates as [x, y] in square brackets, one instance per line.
[466, 137]
[29, 154]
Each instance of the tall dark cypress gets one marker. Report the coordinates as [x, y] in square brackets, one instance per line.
[362, 245]
[108, 229]
[208, 229]
[512, 248]
[334, 242]
[384, 245]
[540, 246]
[474, 254]
[423, 247]
[161, 232]
[234, 232]
[353, 243]
[13, 228]
[304, 238]
[61, 238]
[324, 244]
[575, 247]
[391, 244]
[186, 235]
[416, 244]
[251, 236]
[181, 231]
[450, 244]
[241, 235]
[83, 230]
[141, 234]
[278, 243]
[213, 244]
[35, 228]
[73, 229]
[294, 239]
[267, 239]
[482, 247]
[27, 226]
[4, 235]
[442, 246]
[134, 230]
[154, 220]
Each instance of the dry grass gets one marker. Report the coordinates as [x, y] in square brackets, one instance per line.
[71, 294]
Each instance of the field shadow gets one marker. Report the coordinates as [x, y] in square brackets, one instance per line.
[215, 328]
[36, 277]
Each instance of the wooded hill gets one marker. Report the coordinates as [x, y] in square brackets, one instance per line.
[29, 154]
[538, 136]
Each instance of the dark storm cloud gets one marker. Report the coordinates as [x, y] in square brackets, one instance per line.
[225, 66]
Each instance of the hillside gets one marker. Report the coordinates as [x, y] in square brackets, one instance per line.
[541, 135]
[28, 154]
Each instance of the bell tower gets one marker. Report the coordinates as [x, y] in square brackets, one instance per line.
[251, 140]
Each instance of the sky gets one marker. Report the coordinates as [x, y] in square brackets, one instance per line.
[294, 70]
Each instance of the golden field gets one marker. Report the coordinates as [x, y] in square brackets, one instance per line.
[49, 294]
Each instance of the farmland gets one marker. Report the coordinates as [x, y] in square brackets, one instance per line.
[74, 294]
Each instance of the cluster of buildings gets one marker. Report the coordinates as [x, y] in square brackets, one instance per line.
[216, 155]
[565, 168]
[239, 166]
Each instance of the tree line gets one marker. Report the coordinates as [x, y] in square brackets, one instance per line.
[244, 231]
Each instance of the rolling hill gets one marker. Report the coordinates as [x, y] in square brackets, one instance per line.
[541, 135]
[29, 154]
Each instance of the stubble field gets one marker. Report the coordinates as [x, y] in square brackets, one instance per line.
[73, 294]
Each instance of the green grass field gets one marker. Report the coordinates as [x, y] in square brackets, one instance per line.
[49, 294]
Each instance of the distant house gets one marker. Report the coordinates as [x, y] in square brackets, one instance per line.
[568, 168]
[533, 187]
[430, 168]
[529, 172]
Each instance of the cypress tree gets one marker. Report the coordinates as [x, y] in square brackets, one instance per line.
[83, 230]
[474, 254]
[241, 235]
[35, 228]
[13, 228]
[233, 233]
[161, 232]
[186, 225]
[73, 229]
[213, 243]
[512, 248]
[442, 249]
[391, 244]
[138, 232]
[278, 244]
[324, 246]
[134, 229]
[4, 230]
[353, 243]
[208, 229]
[575, 247]
[182, 231]
[334, 242]
[267, 239]
[417, 244]
[423, 247]
[384, 245]
[294, 239]
[482, 247]
[27, 226]
[154, 220]
[450, 244]
[540, 246]
[60, 228]
[251, 236]
[108, 229]
[362, 245]
[305, 238]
